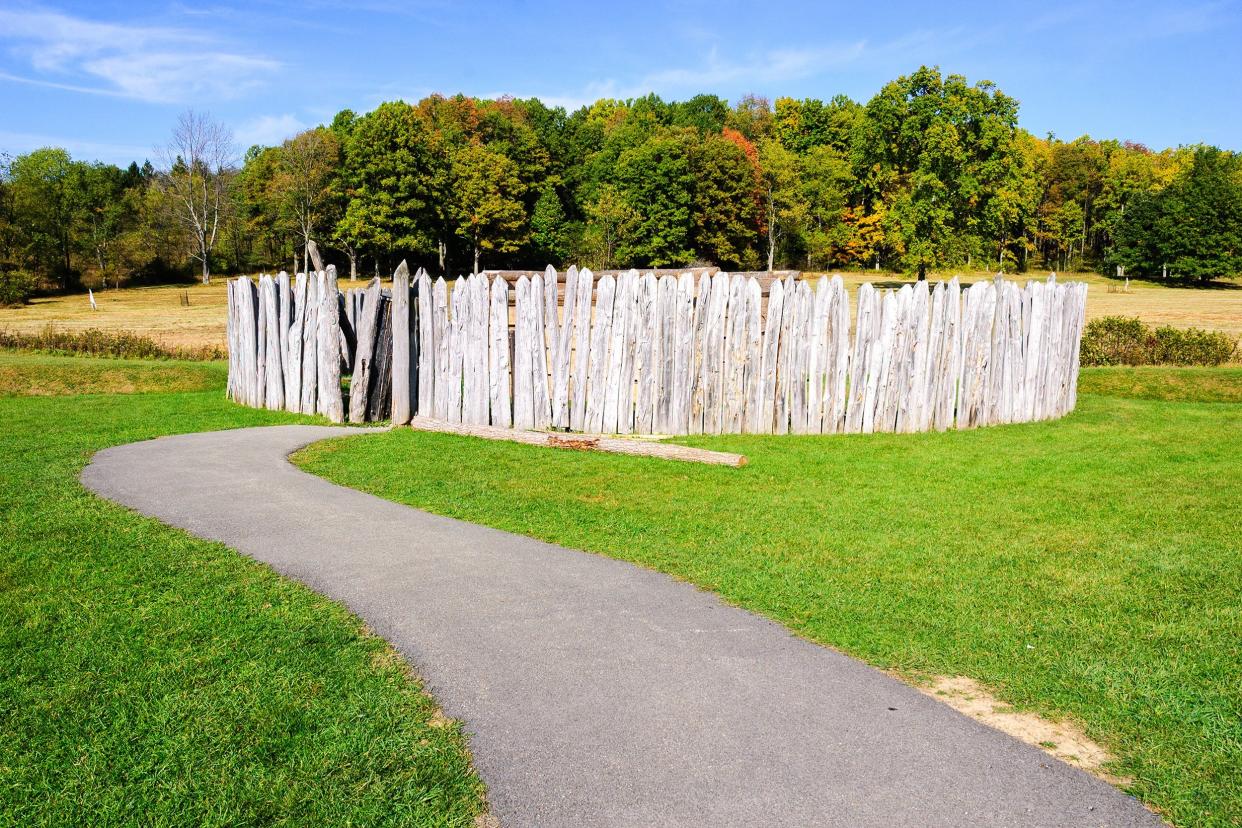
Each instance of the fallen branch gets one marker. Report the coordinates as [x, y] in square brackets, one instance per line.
[583, 442]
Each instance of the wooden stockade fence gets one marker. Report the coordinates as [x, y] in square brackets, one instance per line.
[637, 353]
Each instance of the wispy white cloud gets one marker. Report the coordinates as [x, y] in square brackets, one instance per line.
[269, 130]
[157, 64]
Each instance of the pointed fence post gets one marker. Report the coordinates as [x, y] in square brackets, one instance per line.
[401, 345]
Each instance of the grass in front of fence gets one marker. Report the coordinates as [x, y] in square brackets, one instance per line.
[1086, 568]
[147, 677]
[1206, 385]
[42, 375]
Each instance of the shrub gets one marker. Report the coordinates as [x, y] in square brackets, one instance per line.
[1120, 340]
[16, 286]
[94, 342]
[1193, 346]
[1115, 340]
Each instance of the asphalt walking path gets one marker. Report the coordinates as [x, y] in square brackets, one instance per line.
[598, 693]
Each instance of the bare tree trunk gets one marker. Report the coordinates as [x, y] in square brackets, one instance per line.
[476, 259]
[353, 265]
[442, 249]
[202, 249]
[772, 232]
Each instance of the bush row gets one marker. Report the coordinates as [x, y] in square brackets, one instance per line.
[95, 342]
[1123, 340]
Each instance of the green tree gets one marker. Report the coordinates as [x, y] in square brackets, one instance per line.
[726, 199]
[549, 227]
[706, 113]
[928, 150]
[1193, 227]
[784, 208]
[341, 232]
[487, 201]
[303, 185]
[106, 214]
[259, 220]
[657, 184]
[824, 190]
[611, 223]
[395, 175]
[47, 204]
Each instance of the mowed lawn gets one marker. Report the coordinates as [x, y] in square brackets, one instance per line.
[150, 678]
[1088, 569]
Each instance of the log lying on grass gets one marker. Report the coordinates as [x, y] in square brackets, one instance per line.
[583, 442]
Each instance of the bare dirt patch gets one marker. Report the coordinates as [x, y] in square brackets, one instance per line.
[1064, 740]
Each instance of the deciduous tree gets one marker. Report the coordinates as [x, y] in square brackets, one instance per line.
[487, 201]
[198, 167]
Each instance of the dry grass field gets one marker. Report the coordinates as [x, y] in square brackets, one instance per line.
[158, 312]
[1217, 308]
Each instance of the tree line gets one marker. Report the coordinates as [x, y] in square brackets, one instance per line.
[933, 172]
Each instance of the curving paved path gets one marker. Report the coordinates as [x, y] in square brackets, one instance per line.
[597, 693]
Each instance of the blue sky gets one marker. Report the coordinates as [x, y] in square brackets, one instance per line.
[106, 79]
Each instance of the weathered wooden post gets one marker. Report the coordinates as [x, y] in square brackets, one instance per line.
[310, 347]
[293, 372]
[329, 347]
[523, 393]
[312, 250]
[274, 391]
[230, 331]
[379, 387]
[564, 347]
[426, 346]
[458, 301]
[364, 360]
[552, 335]
[597, 369]
[541, 400]
[498, 362]
[284, 302]
[440, 338]
[401, 345]
[579, 369]
[623, 298]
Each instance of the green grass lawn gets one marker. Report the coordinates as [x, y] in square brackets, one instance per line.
[149, 678]
[1087, 568]
[33, 374]
[1168, 384]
